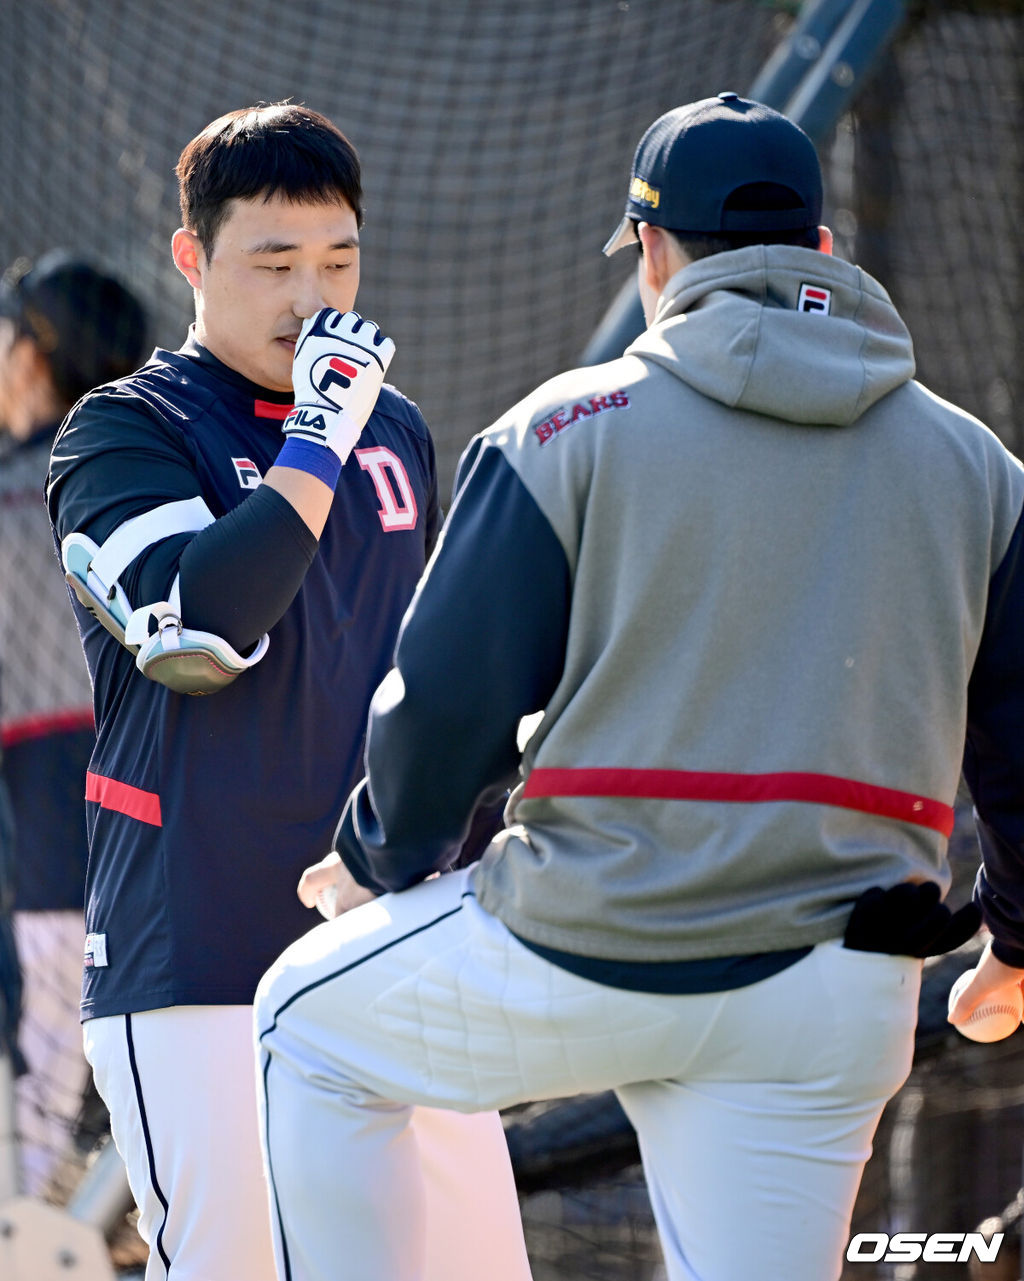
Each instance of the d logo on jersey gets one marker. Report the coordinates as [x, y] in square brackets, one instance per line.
[398, 508]
[332, 376]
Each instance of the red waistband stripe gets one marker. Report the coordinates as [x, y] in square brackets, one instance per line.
[696, 785]
[109, 794]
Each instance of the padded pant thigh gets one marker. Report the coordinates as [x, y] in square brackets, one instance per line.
[754, 1158]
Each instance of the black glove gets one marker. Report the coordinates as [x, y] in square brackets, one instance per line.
[908, 920]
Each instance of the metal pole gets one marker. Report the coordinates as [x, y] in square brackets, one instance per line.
[781, 75]
[103, 1196]
[849, 55]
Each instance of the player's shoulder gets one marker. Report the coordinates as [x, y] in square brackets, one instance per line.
[155, 409]
[395, 406]
[937, 429]
[172, 384]
[167, 393]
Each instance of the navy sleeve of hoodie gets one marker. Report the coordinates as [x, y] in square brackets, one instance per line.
[994, 758]
[482, 645]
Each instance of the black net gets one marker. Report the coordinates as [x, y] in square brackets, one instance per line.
[496, 140]
[933, 170]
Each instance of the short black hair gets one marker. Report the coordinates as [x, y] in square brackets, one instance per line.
[272, 149]
[697, 247]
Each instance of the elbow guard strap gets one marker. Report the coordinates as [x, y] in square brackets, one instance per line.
[185, 660]
[182, 658]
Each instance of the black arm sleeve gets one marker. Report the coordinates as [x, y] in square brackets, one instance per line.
[240, 574]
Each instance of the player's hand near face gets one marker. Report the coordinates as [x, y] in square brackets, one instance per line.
[331, 888]
[337, 373]
[990, 977]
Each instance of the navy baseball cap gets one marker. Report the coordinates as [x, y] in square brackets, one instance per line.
[719, 165]
[89, 326]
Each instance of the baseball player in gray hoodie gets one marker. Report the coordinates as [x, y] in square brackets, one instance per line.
[760, 584]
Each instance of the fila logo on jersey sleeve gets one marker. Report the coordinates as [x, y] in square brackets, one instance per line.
[815, 298]
[247, 472]
[398, 508]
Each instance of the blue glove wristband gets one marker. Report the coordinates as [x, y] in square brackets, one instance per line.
[307, 456]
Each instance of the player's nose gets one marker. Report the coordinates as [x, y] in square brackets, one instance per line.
[308, 297]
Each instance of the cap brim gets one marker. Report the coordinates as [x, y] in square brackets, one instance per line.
[623, 235]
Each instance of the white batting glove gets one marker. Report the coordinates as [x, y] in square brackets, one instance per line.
[337, 372]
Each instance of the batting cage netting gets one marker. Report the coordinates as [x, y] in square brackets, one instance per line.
[496, 138]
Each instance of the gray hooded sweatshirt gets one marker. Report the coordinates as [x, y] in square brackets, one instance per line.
[744, 572]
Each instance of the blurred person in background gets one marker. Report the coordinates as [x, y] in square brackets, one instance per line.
[65, 327]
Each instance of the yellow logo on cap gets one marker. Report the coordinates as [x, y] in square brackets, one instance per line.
[640, 191]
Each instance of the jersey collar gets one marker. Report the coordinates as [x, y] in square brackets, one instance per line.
[264, 403]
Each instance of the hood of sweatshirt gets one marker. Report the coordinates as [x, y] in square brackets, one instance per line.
[792, 333]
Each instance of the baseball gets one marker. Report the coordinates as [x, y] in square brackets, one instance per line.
[995, 1018]
[327, 902]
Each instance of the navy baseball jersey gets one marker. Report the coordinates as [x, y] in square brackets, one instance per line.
[203, 811]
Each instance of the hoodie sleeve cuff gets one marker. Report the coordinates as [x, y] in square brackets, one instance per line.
[1008, 953]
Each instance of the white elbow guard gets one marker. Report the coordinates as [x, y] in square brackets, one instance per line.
[185, 660]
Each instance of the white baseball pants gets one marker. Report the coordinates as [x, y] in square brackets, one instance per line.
[180, 1084]
[755, 1108]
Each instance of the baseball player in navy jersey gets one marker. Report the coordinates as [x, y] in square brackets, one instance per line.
[760, 584]
[242, 523]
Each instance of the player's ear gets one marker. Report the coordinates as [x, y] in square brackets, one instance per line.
[187, 252]
[27, 368]
[824, 240]
[654, 265]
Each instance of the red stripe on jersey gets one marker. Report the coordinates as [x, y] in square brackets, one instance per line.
[270, 409]
[45, 723]
[694, 785]
[109, 794]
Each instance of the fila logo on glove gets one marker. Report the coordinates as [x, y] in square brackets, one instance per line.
[303, 417]
[331, 374]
